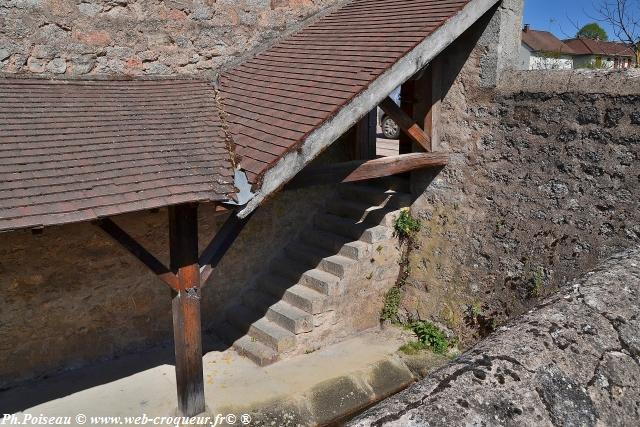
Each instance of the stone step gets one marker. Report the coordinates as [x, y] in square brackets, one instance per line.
[349, 228]
[297, 295]
[337, 244]
[342, 226]
[247, 346]
[362, 213]
[279, 312]
[305, 254]
[337, 265]
[372, 195]
[377, 234]
[261, 328]
[396, 183]
[313, 257]
[321, 281]
[288, 267]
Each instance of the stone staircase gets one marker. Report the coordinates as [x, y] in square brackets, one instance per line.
[290, 307]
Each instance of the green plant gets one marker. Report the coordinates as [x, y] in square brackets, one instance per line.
[475, 309]
[431, 336]
[412, 347]
[405, 225]
[391, 305]
[537, 280]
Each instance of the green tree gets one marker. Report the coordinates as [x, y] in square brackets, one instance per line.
[592, 31]
[623, 16]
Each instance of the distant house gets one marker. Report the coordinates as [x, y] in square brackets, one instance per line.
[541, 50]
[600, 54]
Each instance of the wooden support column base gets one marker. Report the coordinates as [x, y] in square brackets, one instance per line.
[187, 327]
[187, 332]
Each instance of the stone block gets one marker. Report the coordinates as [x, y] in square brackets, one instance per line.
[335, 398]
[57, 66]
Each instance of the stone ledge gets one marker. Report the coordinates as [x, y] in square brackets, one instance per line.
[340, 397]
[616, 82]
[574, 360]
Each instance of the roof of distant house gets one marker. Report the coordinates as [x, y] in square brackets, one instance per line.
[544, 41]
[597, 47]
[75, 151]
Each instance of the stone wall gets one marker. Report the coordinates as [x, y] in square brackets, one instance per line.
[140, 37]
[575, 360]
[71, 295]
[543, 184]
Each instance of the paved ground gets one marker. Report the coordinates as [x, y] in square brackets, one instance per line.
[386, 147]
[573, 361]
[307, 388]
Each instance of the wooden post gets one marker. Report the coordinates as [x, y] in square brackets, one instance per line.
[187, 328]
[433, 98]
[361, 138]
[407, 98]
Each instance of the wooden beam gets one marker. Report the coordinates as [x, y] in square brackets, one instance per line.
[137, 250]
[431, 86]
[361, 139]
[406, 123]
[187, 327]
[220, 244]
[364, 170]
[407, 103]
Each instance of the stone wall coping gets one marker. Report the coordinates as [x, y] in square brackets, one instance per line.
[612, 82]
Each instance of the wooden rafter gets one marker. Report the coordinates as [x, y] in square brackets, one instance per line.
[406, 123]
[219, 245]
[369, 169]
[137, 250]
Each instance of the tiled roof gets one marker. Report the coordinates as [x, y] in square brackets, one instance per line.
[544, 41]
[597, 47]
[275, 99]
[77, 150]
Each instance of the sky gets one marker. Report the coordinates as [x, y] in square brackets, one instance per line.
[557, 16]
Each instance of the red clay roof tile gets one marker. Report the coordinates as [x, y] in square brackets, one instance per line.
[544, 41]
[276, 98]
[597, 47]
[78, 150]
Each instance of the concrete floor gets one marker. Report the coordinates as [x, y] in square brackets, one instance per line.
[231, 381]
[386, 147]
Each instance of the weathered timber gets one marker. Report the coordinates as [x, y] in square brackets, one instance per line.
[431, 86]
[187, 328]
[408, 98]
[135, 248]
[406, 124]
[364, 170]
[220, 244]
[361, 140]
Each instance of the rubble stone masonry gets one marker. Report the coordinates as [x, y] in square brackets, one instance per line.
[139, 37]
[542, 186]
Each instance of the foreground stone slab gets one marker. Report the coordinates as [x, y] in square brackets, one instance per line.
[312, 389]
[575, 360]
